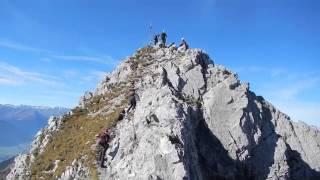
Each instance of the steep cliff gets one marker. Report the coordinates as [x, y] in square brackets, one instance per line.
[193, 120]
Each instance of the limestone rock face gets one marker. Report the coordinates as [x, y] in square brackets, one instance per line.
[195, 120]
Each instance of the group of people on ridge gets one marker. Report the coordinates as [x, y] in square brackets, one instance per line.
[161, 39]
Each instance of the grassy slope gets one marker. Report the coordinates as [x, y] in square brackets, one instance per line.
[75, 139]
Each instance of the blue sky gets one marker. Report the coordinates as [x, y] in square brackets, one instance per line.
[51, 51]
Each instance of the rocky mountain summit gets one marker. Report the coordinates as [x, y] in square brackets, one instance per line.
[194, 120]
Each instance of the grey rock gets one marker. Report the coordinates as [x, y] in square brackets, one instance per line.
[83, 99]
[75, 172]
[196, 120]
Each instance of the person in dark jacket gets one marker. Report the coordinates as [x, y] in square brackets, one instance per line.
[164, 38]
[156, 39]
[132, 101]
[104, 138]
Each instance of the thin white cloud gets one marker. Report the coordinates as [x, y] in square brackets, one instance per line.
[289, 86]
[293, 89]
[99, 74]
[95, 59]
[10, 73]
[21, 47]
[286, 92]
[8, 81]
[94, 76]
[272, 71]
[70, 73]
[300, 111]
[46, 60]
[101, 59]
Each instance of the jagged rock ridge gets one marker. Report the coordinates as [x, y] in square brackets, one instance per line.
[193, 120]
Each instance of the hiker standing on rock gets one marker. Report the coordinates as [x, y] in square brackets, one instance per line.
[132, 100]
[163, 38]
[184, 43]
[156, 39]
[104, 138]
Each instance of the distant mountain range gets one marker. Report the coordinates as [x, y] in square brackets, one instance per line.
[19, 124]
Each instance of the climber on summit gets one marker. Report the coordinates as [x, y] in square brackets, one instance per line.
[163, 38]
[104, 138]
[156, 39]
[184, 43]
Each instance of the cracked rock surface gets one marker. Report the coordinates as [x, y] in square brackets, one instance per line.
[195, 120]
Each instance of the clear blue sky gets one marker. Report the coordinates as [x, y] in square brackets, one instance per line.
[51, 51]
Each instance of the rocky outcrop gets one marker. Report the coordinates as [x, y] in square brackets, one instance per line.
[75, 171]
[196, 120]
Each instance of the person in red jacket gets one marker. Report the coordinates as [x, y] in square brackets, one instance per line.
[103, 140]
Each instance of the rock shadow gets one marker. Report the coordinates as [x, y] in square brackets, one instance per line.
[299, 169]
[206, 158]
[260, 151]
